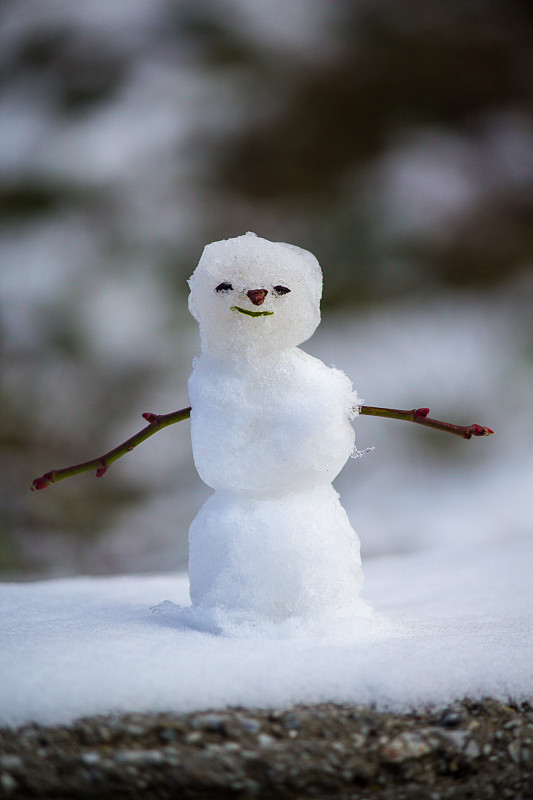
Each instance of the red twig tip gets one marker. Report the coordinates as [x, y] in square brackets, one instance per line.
[42, 482]
[480, 430]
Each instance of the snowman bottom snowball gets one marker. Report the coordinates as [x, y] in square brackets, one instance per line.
[271, 428]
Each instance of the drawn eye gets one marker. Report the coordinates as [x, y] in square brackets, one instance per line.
[224, 287]
[281, 289]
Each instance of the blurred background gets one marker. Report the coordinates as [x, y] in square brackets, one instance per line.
[393, 140]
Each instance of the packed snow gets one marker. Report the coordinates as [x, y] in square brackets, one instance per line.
[270, 428]
[286, 310]
[445, 627]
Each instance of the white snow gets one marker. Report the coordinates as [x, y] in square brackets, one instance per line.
[295, 554]
[286, 318]
[270, 430]
[282, 426]
[447, 626]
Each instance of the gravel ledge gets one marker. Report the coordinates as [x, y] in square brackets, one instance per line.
[470, 750]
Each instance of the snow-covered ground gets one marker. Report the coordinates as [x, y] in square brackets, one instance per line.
[447, 626]
[446, 529]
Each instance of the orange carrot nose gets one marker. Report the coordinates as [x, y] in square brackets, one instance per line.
[257, 296]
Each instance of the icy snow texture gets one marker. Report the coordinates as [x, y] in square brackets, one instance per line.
[249, 262]
[276, 426]
[453, 625]
[296, 554]
[270, 429]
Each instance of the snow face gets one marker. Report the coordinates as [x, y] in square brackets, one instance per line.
[270, 429]
[233, 326]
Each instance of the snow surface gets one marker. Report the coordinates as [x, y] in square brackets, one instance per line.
[446, 626]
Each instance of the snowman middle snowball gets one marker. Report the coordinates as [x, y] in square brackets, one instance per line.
[270, 429]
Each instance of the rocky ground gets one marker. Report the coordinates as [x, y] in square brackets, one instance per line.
[470, 750]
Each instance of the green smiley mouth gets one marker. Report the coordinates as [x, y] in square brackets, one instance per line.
[252, 313]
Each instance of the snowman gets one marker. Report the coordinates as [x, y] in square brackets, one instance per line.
[271, 428]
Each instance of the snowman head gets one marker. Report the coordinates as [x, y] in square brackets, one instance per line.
[253, 297]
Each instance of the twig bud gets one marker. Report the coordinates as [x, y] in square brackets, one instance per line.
[481, 430]
[42, 482]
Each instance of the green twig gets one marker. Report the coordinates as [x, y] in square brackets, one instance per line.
[157, 422]
[420, 415]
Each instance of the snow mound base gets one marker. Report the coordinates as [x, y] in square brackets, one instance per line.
[446, 625]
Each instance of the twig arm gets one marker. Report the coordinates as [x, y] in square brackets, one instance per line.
[157, 422]
[420, 416]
